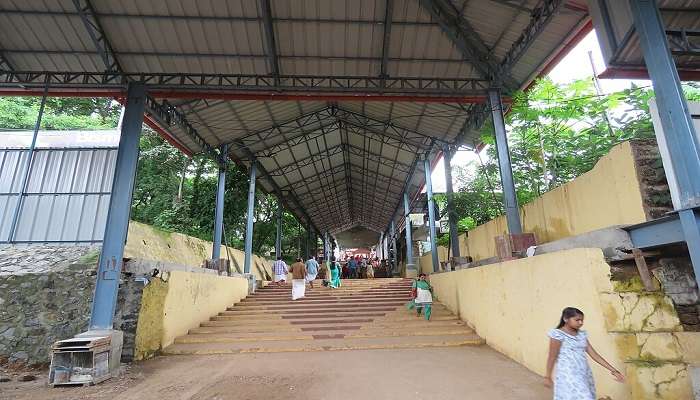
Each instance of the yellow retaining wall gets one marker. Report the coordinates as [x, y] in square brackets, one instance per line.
[180, 302]
[607, 195]
[149, 243]
[513, 304]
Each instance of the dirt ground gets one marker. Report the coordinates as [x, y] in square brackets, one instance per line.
[440, 373]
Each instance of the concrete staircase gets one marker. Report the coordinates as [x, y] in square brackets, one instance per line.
[363, 314]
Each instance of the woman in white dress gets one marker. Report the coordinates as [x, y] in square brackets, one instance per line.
[568, 345]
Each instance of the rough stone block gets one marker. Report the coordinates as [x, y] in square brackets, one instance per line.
[660, 381]
[639, 312]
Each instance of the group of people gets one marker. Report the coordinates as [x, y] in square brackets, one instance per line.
[360, 267]
[303, 273]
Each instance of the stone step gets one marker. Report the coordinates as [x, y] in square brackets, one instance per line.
[277, 336]
[234, 328]
[300, 305]
[340, 314]
[320, 309]
[324, 318]
[323, 343]
[306, 300]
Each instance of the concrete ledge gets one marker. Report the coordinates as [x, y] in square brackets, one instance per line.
[171, 307]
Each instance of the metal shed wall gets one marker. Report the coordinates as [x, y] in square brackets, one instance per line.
[66, 197]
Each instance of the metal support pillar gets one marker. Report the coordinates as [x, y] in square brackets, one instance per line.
[380, 246]
[219, 212]
[114, 239]
[249, 223]
[409, 242]
[27, 168]
[326, 248]
[679, 133]
[278, 237]
[309, 235]
[510, 200]
[431, 215]
[394, 264]
[452, 215]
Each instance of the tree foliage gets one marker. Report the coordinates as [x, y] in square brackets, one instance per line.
[556, 133]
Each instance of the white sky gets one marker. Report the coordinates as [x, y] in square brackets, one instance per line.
[575, 65]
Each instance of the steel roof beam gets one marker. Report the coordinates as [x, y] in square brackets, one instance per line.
[476, 118]
[96, 32]
[301, 137]
[27, 12]
[388, 16]
[271, 46]
[164, 114]
[258, 87]
[541, 17]
[5, 64]
[298, 165]
[276, 188]
[292, 124]
[468, 41]
[230, 55]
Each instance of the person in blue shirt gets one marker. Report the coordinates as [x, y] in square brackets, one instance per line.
[311, 270]
[352, 267]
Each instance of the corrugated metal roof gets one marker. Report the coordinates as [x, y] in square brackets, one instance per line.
[347, 161]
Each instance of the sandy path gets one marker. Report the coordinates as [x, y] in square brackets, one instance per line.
[442, 373]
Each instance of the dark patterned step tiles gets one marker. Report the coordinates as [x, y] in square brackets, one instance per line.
[318, 305]
[320, 309]
[324, 344]
[324, 300]
[233, 328]
[328, 314]
[271, 326]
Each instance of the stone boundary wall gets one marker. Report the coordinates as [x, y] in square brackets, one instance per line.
[48, 298]
[513, 304]
[46, 291]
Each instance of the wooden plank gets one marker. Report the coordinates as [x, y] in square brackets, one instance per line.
[643, 269]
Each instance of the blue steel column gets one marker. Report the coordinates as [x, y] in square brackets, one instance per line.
[509, 198]
[431, 215]
[278, 237]
[380, 247]
[452, 215]
[249, 223]
[27, 167]
[409, 241]
[219, 213]
[110, 261]
[393, 245]
[678, 130]
[326, 247]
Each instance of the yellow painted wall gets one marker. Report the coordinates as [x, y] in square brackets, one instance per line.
[179, 302]
[607, 195]
[512, 305]
[149, 243]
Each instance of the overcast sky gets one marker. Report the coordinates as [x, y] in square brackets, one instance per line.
[575, 65]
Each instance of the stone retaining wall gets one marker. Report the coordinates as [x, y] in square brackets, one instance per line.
[45, 296]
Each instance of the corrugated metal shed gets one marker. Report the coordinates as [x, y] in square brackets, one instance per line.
[338, 159]
[67, 193]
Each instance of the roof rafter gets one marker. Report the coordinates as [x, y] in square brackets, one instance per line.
[271, 46]
[541, 17]
[163, 113]
[388, 16]
[468, 41]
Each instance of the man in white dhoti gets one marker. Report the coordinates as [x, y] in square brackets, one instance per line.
[298, 271]
[279, 270]
[311, 270]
